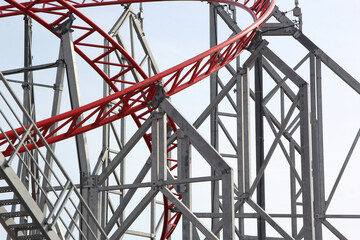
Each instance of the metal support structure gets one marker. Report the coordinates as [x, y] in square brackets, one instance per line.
[75, 100]
[185, 168]
[214, 123]
[145, 179]
[317, 143]
[306, 165]
[259, 129]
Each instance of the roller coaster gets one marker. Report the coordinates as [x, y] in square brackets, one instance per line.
[41, 200]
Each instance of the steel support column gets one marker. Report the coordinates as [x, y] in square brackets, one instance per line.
[306, 165]
[184, 168]
[74, 92]
[317, 144]
[259, 131]
[214, 125]
[242, 89]
[58, 88]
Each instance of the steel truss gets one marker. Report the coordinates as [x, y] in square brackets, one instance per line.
[40, 199]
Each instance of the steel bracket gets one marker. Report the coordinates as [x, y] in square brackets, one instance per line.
[64, 26]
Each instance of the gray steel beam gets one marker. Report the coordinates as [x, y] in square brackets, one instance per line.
[338, 70]
[242, 146]
[231, 22]
[288, 158]
[75, 100]
[342, 170]
[332, 229]
[293, 198]
[126, 149]
[206, 150]
[159, 147]
[141, 36]
[317, 143]
[185, 211]
[119, 211]
[278, 29]
[214, 125]
[283, 67]
[269, 220]
[32, 68]
[306, 165]
[329, 62]
[134, 214]
[214, 159]
[184, 169]
[271, 150]
[259, 143]
[58, 88]
[215, 102]
[104, 157]
[313, 48]
[74, 91]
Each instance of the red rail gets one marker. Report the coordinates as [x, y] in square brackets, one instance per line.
[135, 99]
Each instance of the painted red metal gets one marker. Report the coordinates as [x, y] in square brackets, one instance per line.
[135, 99]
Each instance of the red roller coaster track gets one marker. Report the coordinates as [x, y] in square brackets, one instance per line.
[133, 100]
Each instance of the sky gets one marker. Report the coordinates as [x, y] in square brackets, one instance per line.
[178, 31]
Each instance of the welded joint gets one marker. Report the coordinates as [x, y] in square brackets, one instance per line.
[60, 63]
[304, 84]
[256, 49]
[318, 52]
[26, 86]
[241, 71]
[320, 217]
[227, 170]
[180, 134]
[244, 196]
[64, 26]
[159, 96]
[57, 87]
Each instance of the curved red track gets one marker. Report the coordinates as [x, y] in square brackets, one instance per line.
[133, 100]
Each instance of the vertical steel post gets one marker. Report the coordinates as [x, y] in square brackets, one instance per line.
[246, 119]
[214, 126]
[159, 147]
[228, 204]
[243, 139]
[105, 146]
[259, 131]
[317, 143]
[184, 169]
[293, 198]
[58, 88]
[306, 165]
[241, 129]
[123, 162]
[28, 100]
[321, 168]
[74, 92]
